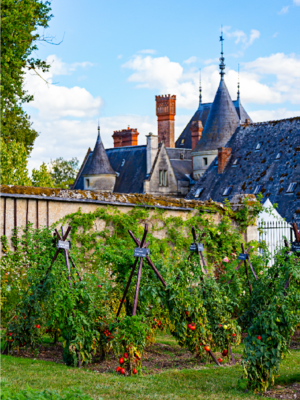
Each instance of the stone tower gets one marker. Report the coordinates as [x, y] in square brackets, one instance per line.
[221, 123]
[165, 111]
[99, 175]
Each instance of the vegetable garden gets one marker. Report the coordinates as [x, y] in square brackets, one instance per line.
[110, 293]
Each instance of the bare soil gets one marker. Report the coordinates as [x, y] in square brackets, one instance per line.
[284, 392]
[156, 358]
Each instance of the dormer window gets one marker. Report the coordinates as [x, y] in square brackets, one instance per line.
[236, 161]
[198, 192]
[258, 146]
[291, 187]
[278, 155]
[227, 191]
[257, 189]
[87, 183]
[205, 162]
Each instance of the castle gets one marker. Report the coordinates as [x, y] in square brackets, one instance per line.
[164, 166]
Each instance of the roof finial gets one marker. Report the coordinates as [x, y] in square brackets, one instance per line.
[222, 59]
[98, 128]
[238, 86]
[200, 88]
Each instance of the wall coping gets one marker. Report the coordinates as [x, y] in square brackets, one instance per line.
[106, 198]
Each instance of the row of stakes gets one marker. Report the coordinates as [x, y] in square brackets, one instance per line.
[142, 252]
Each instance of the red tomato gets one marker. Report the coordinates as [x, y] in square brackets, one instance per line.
[206, 348]
[224, 353]
[38, 326]
[135, 371]
[258, 337]
[121, 361]
[220, 325]
[125, 355]
[220, 360]
[122, 371]
[234, 335]
[118, 369]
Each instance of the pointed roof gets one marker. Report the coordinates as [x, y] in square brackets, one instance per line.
[99, 163]
[221, 123]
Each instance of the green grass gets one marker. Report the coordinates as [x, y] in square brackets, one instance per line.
[207, 383]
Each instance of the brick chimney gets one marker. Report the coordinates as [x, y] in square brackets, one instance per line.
[125, 137]
[165, 111]
[224, 154]
[196, 132]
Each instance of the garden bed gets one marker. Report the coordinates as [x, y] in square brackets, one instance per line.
[285, 392]
[157, 358]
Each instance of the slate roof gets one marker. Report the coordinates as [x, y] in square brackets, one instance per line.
[130, 165]
[182, 167]
[259, 167]
[98, 163]
[202, 115]
[222, 121]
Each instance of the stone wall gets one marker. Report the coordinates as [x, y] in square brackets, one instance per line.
[44, 206]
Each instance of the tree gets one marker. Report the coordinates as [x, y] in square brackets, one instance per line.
[20, 20]
[14, 164]
[64, 172]
[41, 177]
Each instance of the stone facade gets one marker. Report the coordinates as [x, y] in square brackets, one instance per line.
[44, 206]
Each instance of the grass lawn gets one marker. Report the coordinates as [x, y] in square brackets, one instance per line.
[207, 382]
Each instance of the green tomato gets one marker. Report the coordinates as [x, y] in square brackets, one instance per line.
[225, 326]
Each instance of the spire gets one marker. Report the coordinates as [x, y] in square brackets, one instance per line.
[99, 163]
[222, 59]
[200, 89]
[221, 123]
[238, 85]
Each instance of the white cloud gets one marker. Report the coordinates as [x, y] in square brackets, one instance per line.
[272, 115]
[54, 101]
[190, 60]
[58, 67]
[120, 56]
[284, 10]
[241, 37]
[297, 2]
[147, 51]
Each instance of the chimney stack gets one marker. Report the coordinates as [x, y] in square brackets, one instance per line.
[166, 111]
[125, 137]
[224, 154]
[196, 132]
[152, 147]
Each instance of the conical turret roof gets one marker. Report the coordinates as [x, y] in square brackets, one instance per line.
[99, 164]
[221, 123]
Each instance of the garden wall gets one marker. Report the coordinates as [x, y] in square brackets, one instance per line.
[44, 206]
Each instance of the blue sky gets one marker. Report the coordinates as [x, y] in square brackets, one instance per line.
[117, 55]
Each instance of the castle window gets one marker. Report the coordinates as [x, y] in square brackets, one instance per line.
[227, 191]
[204, 161]
[291, 187]
[163, 178]
[87, 183]
[182, 141]
[278, 156]
[198, 192]
[258, 146]
[181, 156]
[257, 189]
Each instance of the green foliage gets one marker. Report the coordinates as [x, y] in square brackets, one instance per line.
[64, 172]
[20, 21]
[41, 177]
[130, 340]
[13, 167]
[271, 316]
[29, 394]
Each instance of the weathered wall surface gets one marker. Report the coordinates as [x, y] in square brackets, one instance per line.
[44, 206]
